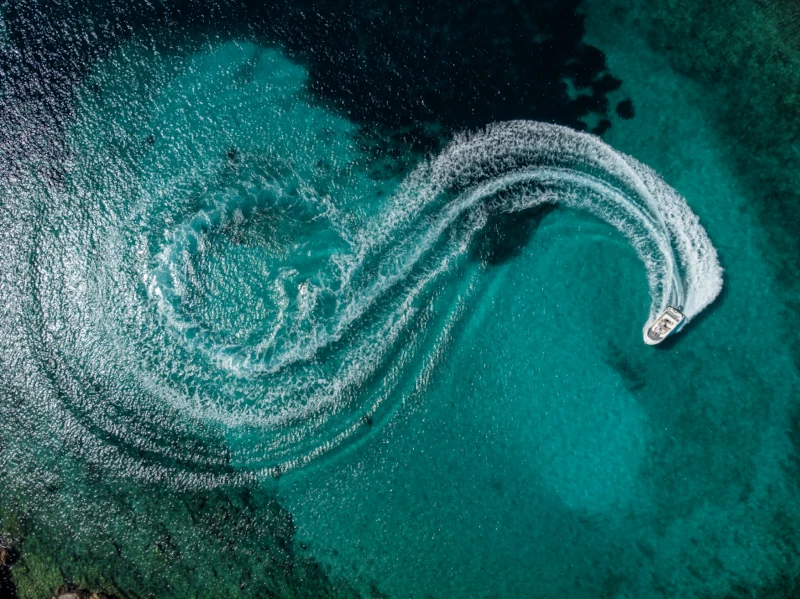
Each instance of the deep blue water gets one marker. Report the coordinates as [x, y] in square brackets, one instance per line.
[347, 299]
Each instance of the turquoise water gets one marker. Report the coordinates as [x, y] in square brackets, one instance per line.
[259, 340]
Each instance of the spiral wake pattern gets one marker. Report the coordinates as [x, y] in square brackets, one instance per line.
[216, 292]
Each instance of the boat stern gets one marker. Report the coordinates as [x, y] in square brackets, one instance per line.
[669, 321]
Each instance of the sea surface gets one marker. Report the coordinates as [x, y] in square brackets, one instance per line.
[346, 299]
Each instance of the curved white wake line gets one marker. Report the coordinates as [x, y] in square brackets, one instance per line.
[393, 261]
[332, 311]
[507, 167]
[555, 164]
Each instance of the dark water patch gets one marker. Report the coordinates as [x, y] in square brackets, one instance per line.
[507, 233]
[601, 127]
[460, 65]
[8, 557]
[613, 585]
[405, 67]
[782, 586]
[394, 152]
[376, 593]
[631, 372]
[625, 109]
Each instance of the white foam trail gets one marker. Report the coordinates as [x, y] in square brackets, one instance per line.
[589, 174]
[527, 163]
[350, 301]
[507, 167]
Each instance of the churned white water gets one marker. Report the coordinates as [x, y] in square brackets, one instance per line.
[384, 265]
[262, 287]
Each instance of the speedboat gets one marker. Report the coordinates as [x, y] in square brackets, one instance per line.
[669, 321]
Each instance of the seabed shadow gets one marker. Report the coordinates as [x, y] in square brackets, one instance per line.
[507, 233]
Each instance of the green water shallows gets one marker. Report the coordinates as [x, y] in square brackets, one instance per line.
[195, 306]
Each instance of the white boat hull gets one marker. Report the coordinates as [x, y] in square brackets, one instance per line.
[669, 321]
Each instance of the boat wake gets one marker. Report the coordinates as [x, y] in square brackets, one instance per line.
[263, 316]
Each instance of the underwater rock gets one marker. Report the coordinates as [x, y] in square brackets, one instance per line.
[204, 544]
[69, 592]
[506, 234]
[757, 120]
[603, 126]
[625, 109]
[8, 558]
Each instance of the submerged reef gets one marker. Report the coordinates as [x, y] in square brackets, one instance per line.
[746, 52]
[240, 543]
